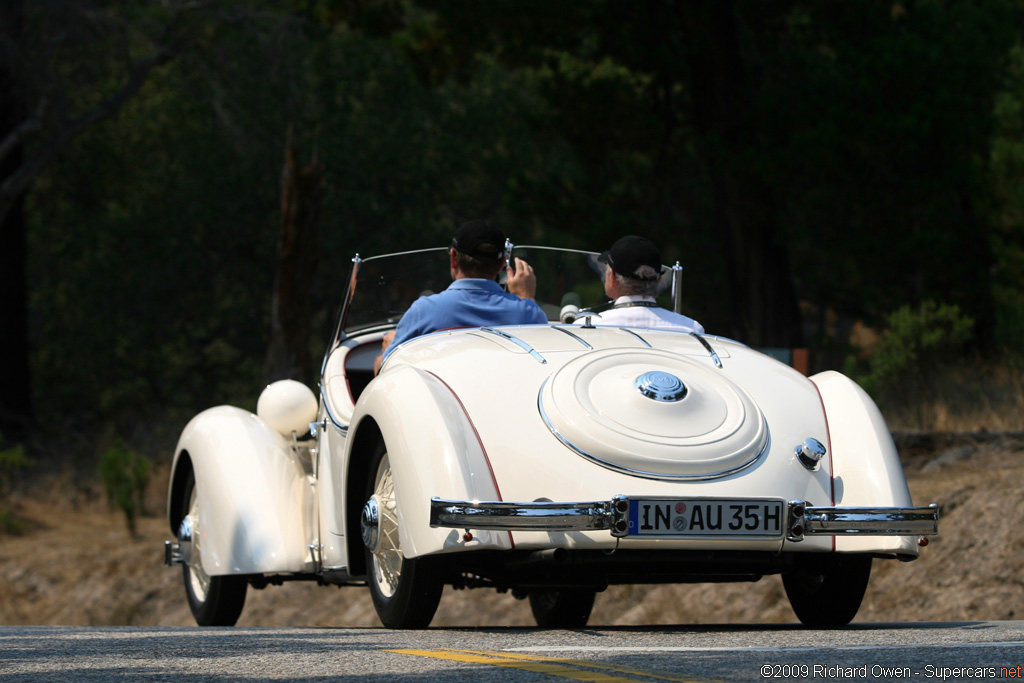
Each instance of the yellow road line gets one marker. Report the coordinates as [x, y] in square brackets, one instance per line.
[529, 665]
[562, 668]
[657, 675]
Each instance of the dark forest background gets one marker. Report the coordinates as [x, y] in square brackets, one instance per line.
[183, 183]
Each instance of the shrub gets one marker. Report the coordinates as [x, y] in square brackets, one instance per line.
[1009, 331]
[11, 460]
[915, 342]
[125, 476]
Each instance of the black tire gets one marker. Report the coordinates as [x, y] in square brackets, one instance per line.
[562, 608]
[825, 591]
[214, 600]
[405, 592]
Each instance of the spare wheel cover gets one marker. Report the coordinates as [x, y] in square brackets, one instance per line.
[653, 414]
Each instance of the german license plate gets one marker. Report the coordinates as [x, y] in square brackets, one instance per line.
[701, 517]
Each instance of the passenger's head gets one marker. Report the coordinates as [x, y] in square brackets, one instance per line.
[478, 249]
[634, 265]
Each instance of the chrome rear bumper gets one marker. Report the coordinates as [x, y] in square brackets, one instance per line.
[613, 515]
[840, 521]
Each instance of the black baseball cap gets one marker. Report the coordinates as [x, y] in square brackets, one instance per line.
[631, 252]
[479, 239]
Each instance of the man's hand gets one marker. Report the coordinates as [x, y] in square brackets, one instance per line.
[384, 344]
[521, 281]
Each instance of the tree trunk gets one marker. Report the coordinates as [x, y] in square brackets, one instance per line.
[16, 412]
[288, 353]
[724, 116]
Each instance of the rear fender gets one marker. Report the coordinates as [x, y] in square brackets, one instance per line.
[434, 451]
[254, 501]
[866, 466]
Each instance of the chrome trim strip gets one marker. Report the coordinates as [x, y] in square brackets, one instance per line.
[524, 247]
[405, 253]
[642, 340]
[612, 515]
[574, 336]
[520, 247]
[517, 341]
[640, 473]
[540, 516]
[706, 345]
[343, 310]
[330, 413]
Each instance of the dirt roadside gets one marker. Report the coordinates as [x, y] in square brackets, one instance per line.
[78, 565]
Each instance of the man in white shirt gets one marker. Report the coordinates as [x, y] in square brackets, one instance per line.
[631, 281]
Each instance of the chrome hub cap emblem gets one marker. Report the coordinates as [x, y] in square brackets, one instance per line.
[369, 524]
[185, 540]
[661, 386]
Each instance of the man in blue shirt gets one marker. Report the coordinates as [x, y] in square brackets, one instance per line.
[474, 299]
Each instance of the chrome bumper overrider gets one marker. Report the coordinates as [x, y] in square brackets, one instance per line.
[172, 554]
[180, 551]
[613, 515]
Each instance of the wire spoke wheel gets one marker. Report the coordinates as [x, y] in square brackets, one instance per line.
[196, 578]
[213, 600]
[405, 591]
[387, 557]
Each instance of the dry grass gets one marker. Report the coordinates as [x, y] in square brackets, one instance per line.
[79, 566]
[968, 397]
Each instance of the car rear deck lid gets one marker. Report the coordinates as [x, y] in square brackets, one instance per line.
[654, 414]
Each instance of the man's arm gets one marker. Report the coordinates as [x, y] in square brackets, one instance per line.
[411, 325]
[385, 343]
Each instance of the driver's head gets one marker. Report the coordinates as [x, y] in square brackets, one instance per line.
[479, 248]
[634, 266]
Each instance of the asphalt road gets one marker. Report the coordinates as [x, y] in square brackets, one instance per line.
[864, 652]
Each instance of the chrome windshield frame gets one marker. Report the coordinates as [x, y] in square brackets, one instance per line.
[671, 275]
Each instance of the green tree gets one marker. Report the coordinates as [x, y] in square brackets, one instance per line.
[885, 111]
[156, 233]
[1006, 165]
[64, 67]
[848, 140]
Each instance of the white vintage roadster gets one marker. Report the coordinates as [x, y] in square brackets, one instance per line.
[549, 460]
